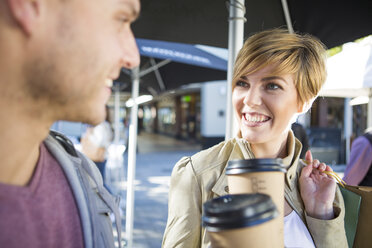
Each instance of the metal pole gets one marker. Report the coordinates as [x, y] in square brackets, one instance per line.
[369, 111]
[115, 164]
[235, 43]
[348, 128]
[132, 159]
[287, 16]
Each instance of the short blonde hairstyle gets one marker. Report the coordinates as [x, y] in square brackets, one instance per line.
[303, 56]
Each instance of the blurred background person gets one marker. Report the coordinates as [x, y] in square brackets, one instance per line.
[95, 143]
[359, 170]
[300, 133]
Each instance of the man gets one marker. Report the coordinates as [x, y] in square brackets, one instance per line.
[58, 59]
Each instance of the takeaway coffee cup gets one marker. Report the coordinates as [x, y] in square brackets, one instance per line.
[259, 176]
[240, 221]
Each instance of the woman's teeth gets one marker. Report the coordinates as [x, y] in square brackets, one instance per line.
[255, 118]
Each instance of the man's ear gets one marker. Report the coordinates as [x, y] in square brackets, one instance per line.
[25, 13]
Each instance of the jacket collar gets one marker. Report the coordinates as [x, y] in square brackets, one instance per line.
[241, 150]
[291, 161]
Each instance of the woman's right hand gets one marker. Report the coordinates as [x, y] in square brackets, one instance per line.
[317, 188]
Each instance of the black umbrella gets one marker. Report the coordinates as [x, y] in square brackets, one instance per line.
[334, 22]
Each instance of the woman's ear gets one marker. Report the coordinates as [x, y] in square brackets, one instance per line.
[304, 107]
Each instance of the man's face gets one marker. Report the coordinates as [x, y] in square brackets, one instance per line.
[82, 49]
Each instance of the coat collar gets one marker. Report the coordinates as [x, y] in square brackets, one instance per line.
[241, 150]
[294, 147]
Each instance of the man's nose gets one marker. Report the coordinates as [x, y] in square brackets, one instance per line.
[130, 55]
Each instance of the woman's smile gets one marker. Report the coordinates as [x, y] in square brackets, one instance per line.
[254, 119]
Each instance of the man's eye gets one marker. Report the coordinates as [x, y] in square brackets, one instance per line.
[123, 20]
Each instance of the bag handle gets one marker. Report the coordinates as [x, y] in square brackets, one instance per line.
[333, 175]
[336, 176]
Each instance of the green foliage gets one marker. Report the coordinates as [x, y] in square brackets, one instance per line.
[360, 39]
[334, 50]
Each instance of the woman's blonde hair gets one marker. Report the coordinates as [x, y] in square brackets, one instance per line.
[301, 55]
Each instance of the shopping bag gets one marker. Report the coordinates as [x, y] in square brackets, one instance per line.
[363, 235]
[352, 208]
[358, 217]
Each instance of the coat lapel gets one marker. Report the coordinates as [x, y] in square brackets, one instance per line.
[240, 151]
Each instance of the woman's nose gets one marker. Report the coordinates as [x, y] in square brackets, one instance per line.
[252, 97]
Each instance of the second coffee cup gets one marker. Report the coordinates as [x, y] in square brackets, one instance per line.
[259, 176]
[240, 221]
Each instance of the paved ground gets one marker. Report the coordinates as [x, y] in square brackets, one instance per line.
[156, 157]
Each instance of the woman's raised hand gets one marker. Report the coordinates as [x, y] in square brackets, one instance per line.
[317, 188]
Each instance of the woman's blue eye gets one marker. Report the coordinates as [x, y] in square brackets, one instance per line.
[241, 84]
[272, 86]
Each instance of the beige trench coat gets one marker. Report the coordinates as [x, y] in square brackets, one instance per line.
[201, 177]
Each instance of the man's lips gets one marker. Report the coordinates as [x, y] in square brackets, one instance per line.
[108, 83]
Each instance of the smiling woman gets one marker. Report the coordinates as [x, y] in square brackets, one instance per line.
[265, 106]
[277, 76]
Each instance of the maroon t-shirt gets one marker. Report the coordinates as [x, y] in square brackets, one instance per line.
[43, 213]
